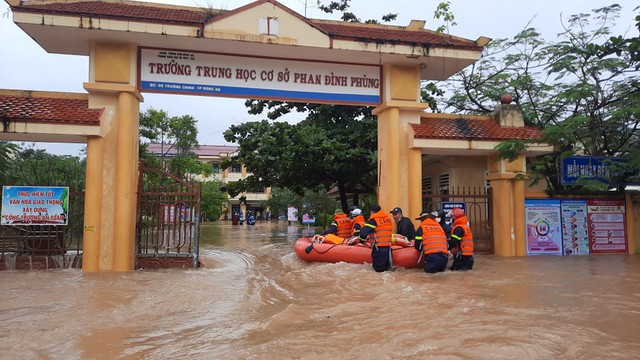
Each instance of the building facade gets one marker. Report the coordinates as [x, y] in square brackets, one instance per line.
[214, 155]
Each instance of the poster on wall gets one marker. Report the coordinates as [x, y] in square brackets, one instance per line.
[575, 230]
[544, 235]
[607, 226]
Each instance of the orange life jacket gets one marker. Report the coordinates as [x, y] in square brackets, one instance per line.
[343, 225]
[466, 242]
[383, 228]
[358, 220]
[433, 237]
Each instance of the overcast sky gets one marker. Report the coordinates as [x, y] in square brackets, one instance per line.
[26, 66]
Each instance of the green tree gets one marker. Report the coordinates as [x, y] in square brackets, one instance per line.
[578, 88]
[212, 199]
[7, 151]
[178, 134]
[36, 167]
[334, 145]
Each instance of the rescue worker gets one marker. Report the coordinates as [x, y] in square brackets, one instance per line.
[461, 241]
[380, 226]
[357, 220]
[341, 225]
[404, 226]
[431, 240]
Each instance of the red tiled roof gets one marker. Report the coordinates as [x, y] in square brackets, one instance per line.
[121, 10]
[197, 16]
[471, 129]
[202, 150]
[63, 111]
[389, 34]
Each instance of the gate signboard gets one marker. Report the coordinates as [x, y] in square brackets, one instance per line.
[607, 226]
[213, 74]
[34, 205]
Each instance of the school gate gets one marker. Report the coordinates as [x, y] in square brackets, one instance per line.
[260, 50]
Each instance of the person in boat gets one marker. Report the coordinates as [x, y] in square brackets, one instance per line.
[431, 240]
[358, 221]
[340, 226]
[461, 241]
[380, 227]
[404, 226]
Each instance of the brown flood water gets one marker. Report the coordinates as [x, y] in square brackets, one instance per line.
[254, 299]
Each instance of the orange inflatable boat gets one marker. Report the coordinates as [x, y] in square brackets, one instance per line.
[308, 250]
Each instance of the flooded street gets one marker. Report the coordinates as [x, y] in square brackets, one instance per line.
[254, 299]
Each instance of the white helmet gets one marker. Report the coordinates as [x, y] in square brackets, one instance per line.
[356, 212]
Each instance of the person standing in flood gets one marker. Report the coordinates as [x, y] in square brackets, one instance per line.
[380, 226]
[461, 241]
[431, 240]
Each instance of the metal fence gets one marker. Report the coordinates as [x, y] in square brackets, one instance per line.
[478, 202]
[168, 219]
[24, 247]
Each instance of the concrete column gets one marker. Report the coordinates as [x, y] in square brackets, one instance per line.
[126, 182]
[507, 201]
[112, 160]
[519, 225]
[503, 242]
[399, 166]
[92, 206]
[415, 185]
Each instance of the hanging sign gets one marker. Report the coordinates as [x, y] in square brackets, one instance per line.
[198, 73]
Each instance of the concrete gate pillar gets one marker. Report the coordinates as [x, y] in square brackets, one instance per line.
[507, 201]
[399, 165]
[112, 160]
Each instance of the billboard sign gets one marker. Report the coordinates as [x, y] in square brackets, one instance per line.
[216, 74]
[34, 205]
[575, 168]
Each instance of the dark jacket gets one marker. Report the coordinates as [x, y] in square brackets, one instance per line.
[405, 227]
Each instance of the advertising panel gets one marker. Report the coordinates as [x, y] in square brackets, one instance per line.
[292, 213]
[607, 226]
[575, 230]
[544, 235]
[34, 205]
[198, 73]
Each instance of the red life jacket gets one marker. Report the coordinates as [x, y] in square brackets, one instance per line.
[433, 237]
[466, 242]
[383, 228]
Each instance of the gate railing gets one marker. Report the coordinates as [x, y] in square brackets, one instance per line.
[168, 219]
[25, 246]
[479, 214]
